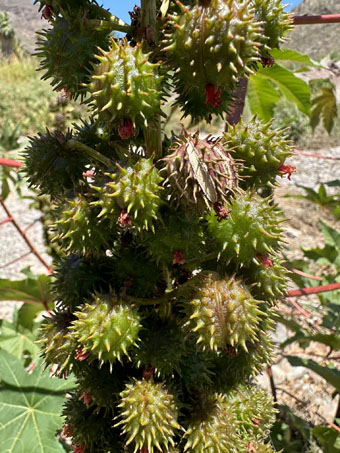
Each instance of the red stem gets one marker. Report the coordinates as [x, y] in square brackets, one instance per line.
[9, 219]
[299, 308]
[10, 163]
[309, 20]
[319, 156]
[304, 274]
[313, 290]
[23, 235]
[15, 260]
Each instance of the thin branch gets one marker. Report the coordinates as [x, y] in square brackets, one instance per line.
[299, 308]
[313, 290]
[15, 260]
[25, 238]
[318, 156]
[309, 20]
[10, 163]
[272, 383]
[9, 219]
[304, 274]
[75, 144]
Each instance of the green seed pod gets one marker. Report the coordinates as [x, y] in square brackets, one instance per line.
[212, 427]
[135, 191]
[148, 416]
[261, 149]
[200, 173]
[67, 53]
[57, 344]
[53, 166]
[252, 227]
[219, 312]
[126, 87]
[275, 23]
[210, 47]
[106, 328]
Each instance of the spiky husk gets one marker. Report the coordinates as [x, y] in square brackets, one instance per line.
[200, 173]
[214, 44]
[58, 346]
[212, 427]
[126, 86]
[79, 229]
[252, 227]
[175, 232]
[219, 311]
[135, 189]
[67, 52]
[106, 328]
[52, 166]
[254, 410]
[148, 416]
[161, 346]
[261, 149]
[90, 426]
[275, 23]
[76, 277]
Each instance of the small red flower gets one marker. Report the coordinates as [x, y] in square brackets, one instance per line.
[126, 129]
[78, 448]
[124, 219]
[87, 398]
[67, 431]
[251, 448]
[47, 13]
[221, 211]
[80, 355]
[213, 96]
[144, 450]
[268, 61]
[287, 170]
[178, 257]
[267, 262]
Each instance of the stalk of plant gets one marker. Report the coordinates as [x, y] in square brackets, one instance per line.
[171, 268]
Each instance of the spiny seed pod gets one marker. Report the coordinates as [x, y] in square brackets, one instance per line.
[126, 87]
[261, 149]
[79, 230]
[211, 46]
[53, 166]
[212, 427]
[200, 173]
[254, 409]
[174, 232]
[57, 343]
[268, 279]
[252, 227]
[133, 190]
[260, 447]
[88, 426]
[219, 311]
[67, 51]
[196, 368]
[106, 328]
[275, 23]
[148, 416]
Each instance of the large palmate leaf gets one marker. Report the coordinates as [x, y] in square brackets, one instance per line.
[293, 55]
[30, 407]
[324, 107]
[331, 375]
[269, 84]
[328, 437]
[17, 340]
[31, 290]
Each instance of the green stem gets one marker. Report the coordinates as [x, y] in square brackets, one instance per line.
[74, 144]
[108, 25]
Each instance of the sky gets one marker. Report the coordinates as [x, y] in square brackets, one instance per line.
[121, 8]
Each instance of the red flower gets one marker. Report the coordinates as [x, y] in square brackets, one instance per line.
[67, 431]
[81, 355]
[267, 262]
[126, 129]
[287, 170]
[221, 211]
[268, 61]
[124, 219]
[47, 13]
[213, 96]
[87, 398]
[78, 448]
[178, 257]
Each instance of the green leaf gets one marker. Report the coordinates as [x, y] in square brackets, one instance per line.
[27, 314]
[262, 97]
[16, 339]
[293, 55]
[331, 375]
[332, 237]
[290, 86]
[328, 437]
[30, 407]
[324, 107]
[30, 290]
